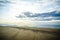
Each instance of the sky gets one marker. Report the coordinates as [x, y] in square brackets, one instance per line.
[31, 13]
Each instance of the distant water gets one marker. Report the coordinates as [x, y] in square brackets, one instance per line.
[42, 26]
[49, 26]
[7, 25]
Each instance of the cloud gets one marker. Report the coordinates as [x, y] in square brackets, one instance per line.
[36, 5]
[4, 3]
[41, 16]
[32, 9]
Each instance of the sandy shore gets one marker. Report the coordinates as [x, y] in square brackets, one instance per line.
[11, 33]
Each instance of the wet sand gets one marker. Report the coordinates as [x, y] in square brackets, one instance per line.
[16, 33]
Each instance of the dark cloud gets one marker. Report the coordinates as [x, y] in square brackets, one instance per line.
[55, 15]
[49, 14]
[4, 3]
